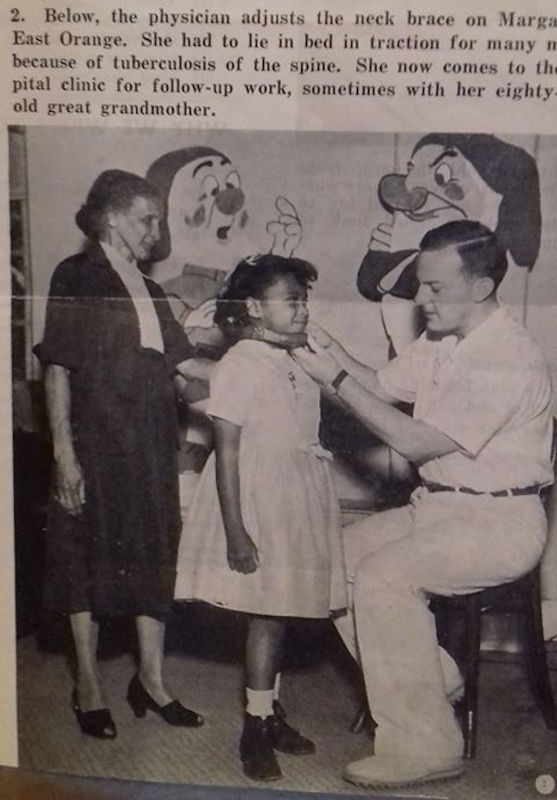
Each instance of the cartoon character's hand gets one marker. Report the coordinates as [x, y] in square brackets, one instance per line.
[409, 231]
[202, 316]
[286, 230]
[382, 237]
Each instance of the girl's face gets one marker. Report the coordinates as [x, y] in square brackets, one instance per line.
[283, 308]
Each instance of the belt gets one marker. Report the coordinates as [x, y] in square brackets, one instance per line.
[515, 492]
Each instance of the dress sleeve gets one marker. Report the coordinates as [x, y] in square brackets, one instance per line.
[66, 321]
[233, 388]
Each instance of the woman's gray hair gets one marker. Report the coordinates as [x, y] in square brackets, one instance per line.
[114, 190]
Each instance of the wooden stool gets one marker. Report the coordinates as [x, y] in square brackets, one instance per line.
[458, 627]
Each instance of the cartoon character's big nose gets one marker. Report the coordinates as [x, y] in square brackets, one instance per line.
[230, 200]
[395, 195]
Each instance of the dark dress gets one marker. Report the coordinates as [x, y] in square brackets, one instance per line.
[119, 557]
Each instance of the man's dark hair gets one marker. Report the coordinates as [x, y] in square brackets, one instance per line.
[480, 251]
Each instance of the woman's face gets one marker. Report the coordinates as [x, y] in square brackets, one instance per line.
[134, 231]
[283, 308]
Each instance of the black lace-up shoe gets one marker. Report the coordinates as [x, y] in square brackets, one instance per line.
[256, 749]
[287, 738]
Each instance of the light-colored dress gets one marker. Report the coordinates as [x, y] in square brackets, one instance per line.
[288, 503]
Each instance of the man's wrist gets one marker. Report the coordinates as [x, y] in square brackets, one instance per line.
[334, 386]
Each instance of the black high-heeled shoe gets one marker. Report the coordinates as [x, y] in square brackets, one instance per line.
[173, 713]
[97, 723]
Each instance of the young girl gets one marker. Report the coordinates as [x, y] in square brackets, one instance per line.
[263, 532]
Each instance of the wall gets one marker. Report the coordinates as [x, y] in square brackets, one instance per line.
[332, 180]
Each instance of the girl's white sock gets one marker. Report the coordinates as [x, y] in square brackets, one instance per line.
[260, 702]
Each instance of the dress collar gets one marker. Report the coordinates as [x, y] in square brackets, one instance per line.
[116, 259]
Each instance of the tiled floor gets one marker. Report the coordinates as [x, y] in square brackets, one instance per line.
[204, 669]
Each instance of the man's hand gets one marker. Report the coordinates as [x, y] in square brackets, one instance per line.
[319, 335]
[241, 553]
[317, 362]
[70, 486]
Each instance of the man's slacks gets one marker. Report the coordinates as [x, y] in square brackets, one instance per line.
[441, 543]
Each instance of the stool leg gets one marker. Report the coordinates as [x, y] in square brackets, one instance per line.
[359, 722]
[536, 656]
[470, 704]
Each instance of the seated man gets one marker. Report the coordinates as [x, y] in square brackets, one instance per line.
[481, 436]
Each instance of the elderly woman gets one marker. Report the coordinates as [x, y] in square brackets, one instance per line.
[110, 350]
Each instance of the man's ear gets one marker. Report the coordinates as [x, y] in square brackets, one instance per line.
[483, 288]
[254, 307]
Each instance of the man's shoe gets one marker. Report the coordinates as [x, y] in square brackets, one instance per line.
[287, 738]
[256, 749]
[384, 772]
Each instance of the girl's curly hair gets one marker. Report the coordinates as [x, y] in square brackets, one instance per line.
[251, 278]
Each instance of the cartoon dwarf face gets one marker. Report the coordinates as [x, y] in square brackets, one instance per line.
[206, 199]
[452, 176]
[466, 176]
[440, 185]
[204, 209]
